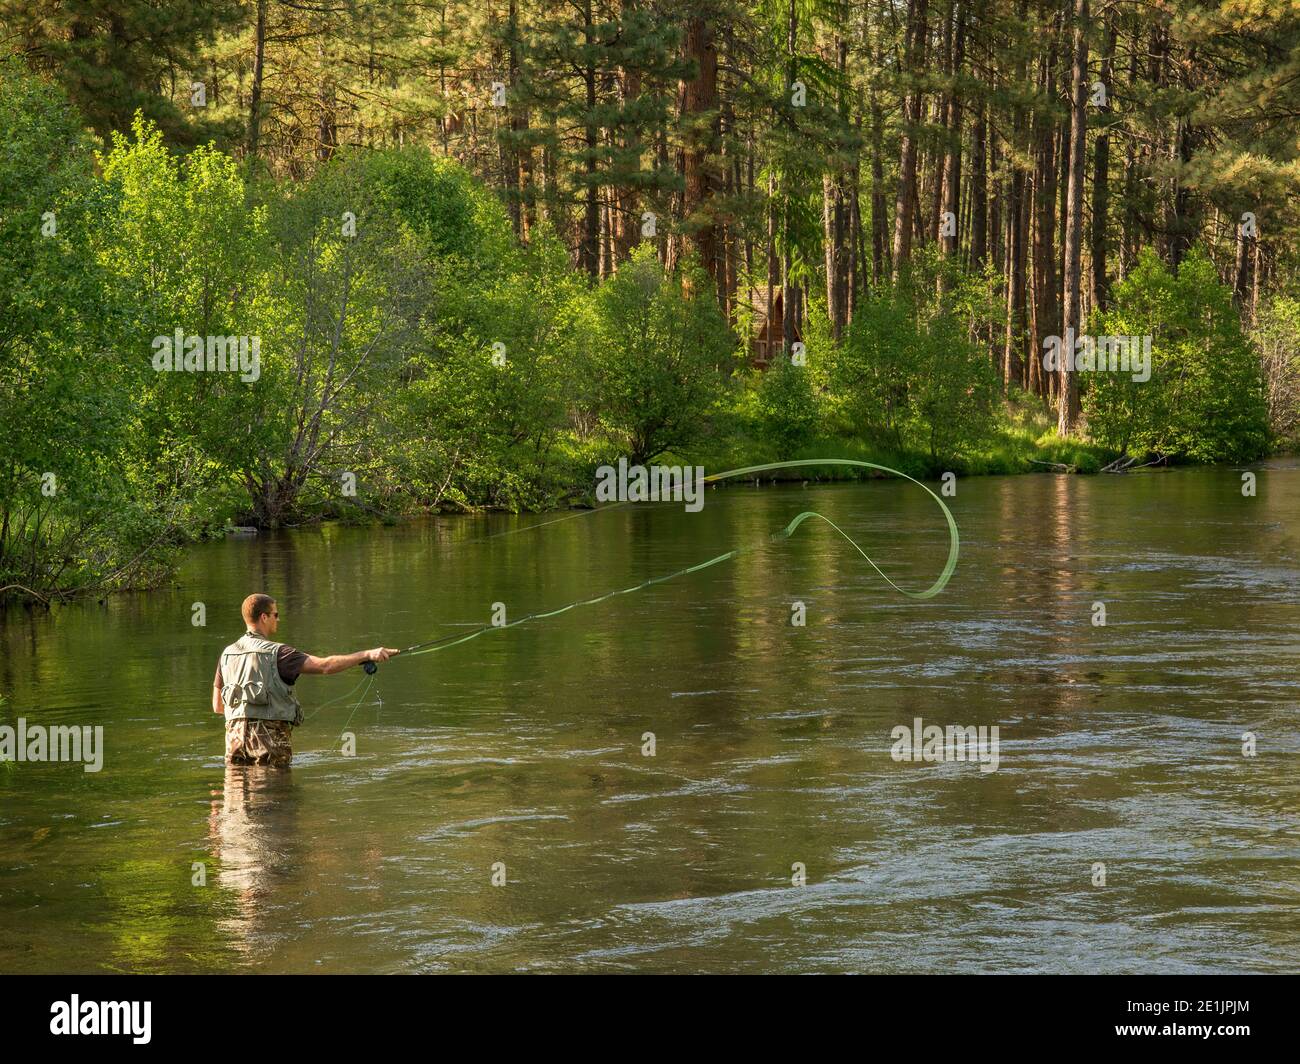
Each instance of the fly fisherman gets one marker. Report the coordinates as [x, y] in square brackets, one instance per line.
[254, 686]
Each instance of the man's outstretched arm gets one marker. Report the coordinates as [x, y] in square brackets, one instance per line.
[341, 662]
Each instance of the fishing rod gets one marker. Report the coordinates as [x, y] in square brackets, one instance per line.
[371, 668]
[954, 541]
[447, 638]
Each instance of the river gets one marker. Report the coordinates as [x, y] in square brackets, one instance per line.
[525, 754]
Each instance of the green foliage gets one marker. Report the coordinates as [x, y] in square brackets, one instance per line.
[347, 304]
[115, 58]
[73, 511]
[591, 90]
[787, 406]
[652, 364]
[1205, 400]
[484, 418]
[1277, 338]
[455, 214]
[908, 374]
[478, 225]
[45, 178]
[183, 241]
[185, 251]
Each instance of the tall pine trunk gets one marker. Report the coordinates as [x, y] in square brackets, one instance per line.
[1068, 413]
[952, 159]
[700, 97]
[255, 101]
[1101, 182]
[589, 251]
[904, 202]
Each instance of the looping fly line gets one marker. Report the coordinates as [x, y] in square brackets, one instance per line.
[446, 642]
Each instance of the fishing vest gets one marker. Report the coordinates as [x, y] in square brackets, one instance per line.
[251, 683]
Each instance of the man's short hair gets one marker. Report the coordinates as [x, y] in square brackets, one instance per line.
[256, 607]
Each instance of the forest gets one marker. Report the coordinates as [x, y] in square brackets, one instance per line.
[275, 261]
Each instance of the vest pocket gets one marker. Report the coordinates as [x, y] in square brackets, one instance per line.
[251, 693]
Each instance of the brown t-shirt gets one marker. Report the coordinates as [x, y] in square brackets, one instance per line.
[288, 663]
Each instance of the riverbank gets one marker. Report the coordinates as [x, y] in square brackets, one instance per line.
[1023, 440]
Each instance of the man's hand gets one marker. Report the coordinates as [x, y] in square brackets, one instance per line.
[339, 662]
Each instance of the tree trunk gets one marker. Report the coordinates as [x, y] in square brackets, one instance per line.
[904, 202]
[789, 297]
[255, 101]
[979, 191]
[771, 267]
[1101, 182]
[1128, 229]
[1245, 257]
[1183, 226]
[879, 233]
[1013, 366]
[589, 251]
[952, 159]
[1069, 400]
[996, 201]
[833, 220]
[854, 282]
[700, 96]
[1047, 295]
[521, 154]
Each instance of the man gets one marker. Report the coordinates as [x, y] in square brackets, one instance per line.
[254, 686]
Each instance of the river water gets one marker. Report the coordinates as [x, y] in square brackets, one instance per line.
[523, 754]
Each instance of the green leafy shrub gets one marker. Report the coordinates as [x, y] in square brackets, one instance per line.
[487, 401]
[653, 361]
[908, 374]
[1277, 338]
[1205, 399]
[787, 406]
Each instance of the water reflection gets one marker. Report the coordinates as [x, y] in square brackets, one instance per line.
[256, 846]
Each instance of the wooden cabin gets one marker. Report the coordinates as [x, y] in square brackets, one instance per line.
[767, 336]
